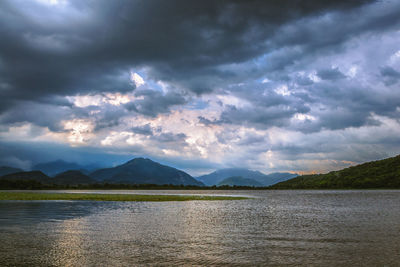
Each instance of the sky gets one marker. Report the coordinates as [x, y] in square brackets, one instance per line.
[300, 86]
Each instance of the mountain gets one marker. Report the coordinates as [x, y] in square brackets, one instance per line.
[4, 170]
[65, 178]
[215, 177]
[28, 176]
[72, 178]
[239, 181]
[55, 167]
[376, 174]
[277, 177]
[144, 171]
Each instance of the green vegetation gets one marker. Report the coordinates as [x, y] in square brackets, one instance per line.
[35, 185]
[383, 174]
[106, 197]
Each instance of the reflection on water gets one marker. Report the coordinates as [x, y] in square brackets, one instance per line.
[273, 228]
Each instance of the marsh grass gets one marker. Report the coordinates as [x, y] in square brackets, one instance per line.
[107, 197]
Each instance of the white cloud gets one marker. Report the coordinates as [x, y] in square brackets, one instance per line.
[282, 90]
[137, 79]
[114, 99]
[115, 137]
[80, 131]
[117, 99]
[86, 100]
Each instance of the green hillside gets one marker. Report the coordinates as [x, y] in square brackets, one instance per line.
[375, 174]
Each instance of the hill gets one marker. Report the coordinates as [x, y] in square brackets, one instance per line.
[37, 176]
[239, 181]
[65, 178]
[144, 171]
[216, 177]
[72, 178]
[277, 177]
[55, 167]
[376, 174]
[4, 170]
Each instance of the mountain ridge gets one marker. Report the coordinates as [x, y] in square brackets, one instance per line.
[217, 176]
[383, 173]
[55, 167]
[144, 171]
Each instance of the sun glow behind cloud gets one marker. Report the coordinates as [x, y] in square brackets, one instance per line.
[80, 131]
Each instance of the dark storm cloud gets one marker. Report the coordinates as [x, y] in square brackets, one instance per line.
[390, 75]
[252, 139]
[390, 72]
[109, 116]
[283, 64]
[330, 74]
[348, 104]
[90, 46]
[143, 130]
[207, 122]
[38, 114]
[157, 134]
[261, 117]
[151, 102]
[303, 81]
[261, 106]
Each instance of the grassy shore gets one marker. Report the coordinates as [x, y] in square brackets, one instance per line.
[106, 197]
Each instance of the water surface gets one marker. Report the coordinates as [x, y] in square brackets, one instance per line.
[323, 228]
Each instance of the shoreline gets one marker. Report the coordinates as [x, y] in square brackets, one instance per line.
[108, 197]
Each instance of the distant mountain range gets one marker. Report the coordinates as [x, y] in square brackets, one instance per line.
[144, 171]
[136, 171]
[216, 177]
[55, 167]
[375, 174]
[239, 181]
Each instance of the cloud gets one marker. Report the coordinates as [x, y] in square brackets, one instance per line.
[170, 137]
[330, 74]
[137, 79]
[38, 114]
[151, 102]
[390, 75]
[16, 162]
[261, 84]
[96, 56]
[144, 129]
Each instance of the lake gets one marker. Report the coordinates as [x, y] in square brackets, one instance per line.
[322, 228]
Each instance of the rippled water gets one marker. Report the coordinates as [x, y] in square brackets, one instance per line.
[323, 228]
